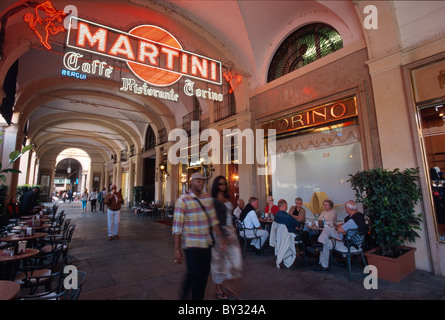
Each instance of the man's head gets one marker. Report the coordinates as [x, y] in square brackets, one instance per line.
[197, 182]
[282, 204]
[240, 203]
[254, 202]
[298, 202]
[351, 207]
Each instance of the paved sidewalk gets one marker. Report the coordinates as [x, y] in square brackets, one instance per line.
[140, 266]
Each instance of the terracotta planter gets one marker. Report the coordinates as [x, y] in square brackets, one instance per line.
[393, 269]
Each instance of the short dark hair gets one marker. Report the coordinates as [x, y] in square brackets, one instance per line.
[281, 202]
[252, 199]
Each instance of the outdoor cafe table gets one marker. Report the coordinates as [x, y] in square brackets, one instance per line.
[8, 258]
[17, 237]
[266, 223]
[9, 264]
[23, 228]
[33, 215]
[8, 289]
[29, 221]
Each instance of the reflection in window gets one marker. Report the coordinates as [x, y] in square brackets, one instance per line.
[302, 47]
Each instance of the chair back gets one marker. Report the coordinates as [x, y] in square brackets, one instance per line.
[74, 292]
[354, 238]
[239, 225]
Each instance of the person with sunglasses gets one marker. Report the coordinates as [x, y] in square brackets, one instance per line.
[271, 208]
[226, 264]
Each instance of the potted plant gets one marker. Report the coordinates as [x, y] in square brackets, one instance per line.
[389, 199]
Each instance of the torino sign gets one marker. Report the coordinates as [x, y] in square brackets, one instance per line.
[151, 53]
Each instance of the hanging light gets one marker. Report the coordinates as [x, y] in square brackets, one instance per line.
[69, 167]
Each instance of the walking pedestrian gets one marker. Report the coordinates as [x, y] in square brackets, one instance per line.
[93, 200]
[193, 222]
[84, 200]
[114, 201]
[101, 197]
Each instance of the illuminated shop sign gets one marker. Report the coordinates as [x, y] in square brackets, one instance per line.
[151, 53]
[332, 112]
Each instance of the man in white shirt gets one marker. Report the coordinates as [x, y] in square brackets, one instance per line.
[354, 220]
[251, 222]
[239, 208]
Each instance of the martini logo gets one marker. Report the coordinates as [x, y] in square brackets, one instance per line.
[151, 53]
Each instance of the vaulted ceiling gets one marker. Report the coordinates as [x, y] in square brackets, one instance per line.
[95, 115]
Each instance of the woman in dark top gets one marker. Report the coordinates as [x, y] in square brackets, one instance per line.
[226, 264]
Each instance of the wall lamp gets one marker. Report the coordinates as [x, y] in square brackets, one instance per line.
[163, 171]
[207, 169]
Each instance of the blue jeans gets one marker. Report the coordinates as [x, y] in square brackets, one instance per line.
[113, 218]
[84, 204]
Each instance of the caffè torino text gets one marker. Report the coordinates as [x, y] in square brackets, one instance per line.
[312, 117]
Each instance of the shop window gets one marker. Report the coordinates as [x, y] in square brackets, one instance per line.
[302, 47]
[433, 132]
[317, 170]
[150, 139]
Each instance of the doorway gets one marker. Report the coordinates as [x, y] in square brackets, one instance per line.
[149, 178]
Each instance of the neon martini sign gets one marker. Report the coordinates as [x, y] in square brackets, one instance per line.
[151, 53]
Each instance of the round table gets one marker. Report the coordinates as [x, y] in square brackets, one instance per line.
[7, 258]
[15, 237]
[23, 228]
[8, 289]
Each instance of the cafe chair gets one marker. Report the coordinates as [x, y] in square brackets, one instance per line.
[284, 243]
[246, 237]
[59, 291]
[32, 284]
[43, 265]
[300, 243]
[352, 244]
[62, 241]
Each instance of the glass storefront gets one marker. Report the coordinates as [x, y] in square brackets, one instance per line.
[432, 121]
[327, 170]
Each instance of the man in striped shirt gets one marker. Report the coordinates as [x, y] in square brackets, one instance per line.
[194, 220]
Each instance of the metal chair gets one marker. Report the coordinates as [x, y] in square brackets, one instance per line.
[300, 243]
[242, 233]
[352, 245]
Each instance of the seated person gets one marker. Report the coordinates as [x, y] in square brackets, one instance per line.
[284, 218]
[297, 211]
[354, 220]
[271, 208]
[239, 208]
[329, 214]
[250, 219]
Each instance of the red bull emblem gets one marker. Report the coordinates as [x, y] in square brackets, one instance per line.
[43, 23]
